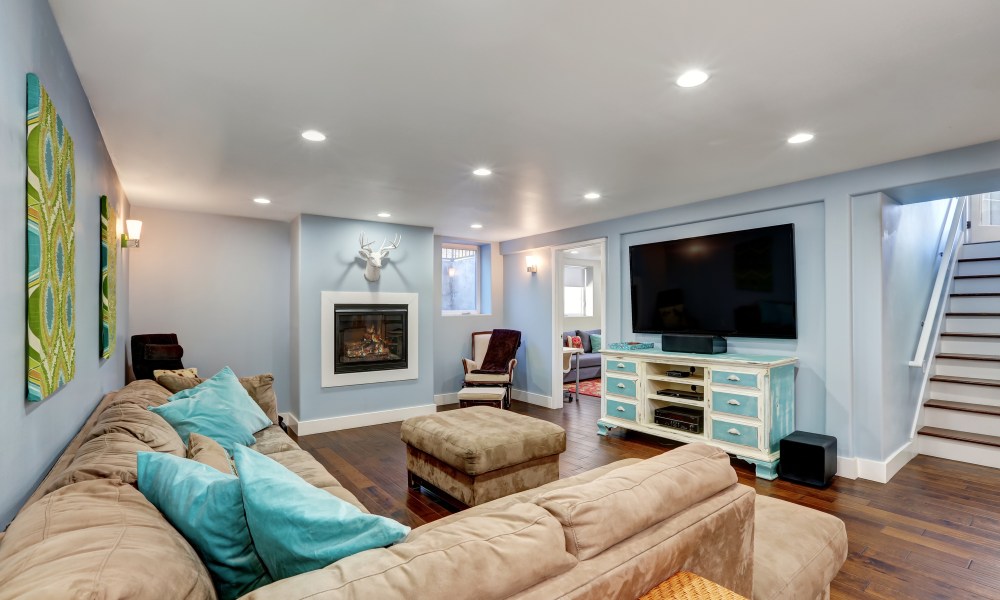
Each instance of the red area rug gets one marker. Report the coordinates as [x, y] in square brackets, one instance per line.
[588, 387]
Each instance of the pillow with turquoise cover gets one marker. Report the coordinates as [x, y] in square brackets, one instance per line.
[206, 507]
[595, 342]
[219, 408]
[297, 527]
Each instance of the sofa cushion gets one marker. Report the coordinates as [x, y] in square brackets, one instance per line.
[637, 496]
[143, 425]
[588, 345]
[219, 408]
[207, 451]
[110, 456]
[206, 506]
[587, 360]
[142, 393]
[797, 550]
[481, 439]
[260, 388]
[272, 439]
[98, 539]
[305, 466]
[297, 528]
[478, 558]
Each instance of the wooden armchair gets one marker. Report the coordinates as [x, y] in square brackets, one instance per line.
[480, 345]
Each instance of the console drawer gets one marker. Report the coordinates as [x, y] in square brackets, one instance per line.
[619, 386]
[620, 366]
[737, 378]
[735, 404]
[621, 410]
[735, 433]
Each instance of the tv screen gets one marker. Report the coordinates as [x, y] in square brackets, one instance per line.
[739, 284]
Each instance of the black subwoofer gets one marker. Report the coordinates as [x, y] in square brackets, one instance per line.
[809, 458]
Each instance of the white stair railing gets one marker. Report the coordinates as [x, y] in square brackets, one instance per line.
[953, 235]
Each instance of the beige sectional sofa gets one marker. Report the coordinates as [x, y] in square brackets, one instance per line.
[614, 532]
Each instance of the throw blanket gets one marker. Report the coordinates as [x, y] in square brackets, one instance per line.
[502, 349]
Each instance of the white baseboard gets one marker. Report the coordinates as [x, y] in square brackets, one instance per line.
[359, 420]
[442, 399]
[880, 471]
[536, 399]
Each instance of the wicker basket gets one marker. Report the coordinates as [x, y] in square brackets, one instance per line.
[688, 586]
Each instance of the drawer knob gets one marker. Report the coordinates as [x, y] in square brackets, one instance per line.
[620, 409]
[733, 378]
[733, 431]
[621, 365]
[621, 386]
[734, 402]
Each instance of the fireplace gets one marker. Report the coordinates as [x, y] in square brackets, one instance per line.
[370, 337]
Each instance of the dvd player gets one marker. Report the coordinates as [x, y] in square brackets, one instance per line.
[681, 394]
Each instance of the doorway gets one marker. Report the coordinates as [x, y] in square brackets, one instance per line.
[579, 299]
[984, 218]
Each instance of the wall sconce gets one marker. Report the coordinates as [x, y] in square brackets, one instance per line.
[134, 229]
[532, 263]
[451, 271]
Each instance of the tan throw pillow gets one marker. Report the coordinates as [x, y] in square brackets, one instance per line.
[260, 388]
[207, 451]
[189, 373]
[98, 539]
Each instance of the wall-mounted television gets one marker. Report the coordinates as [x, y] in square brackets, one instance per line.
[737, 284]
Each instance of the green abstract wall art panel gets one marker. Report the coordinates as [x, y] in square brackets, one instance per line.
[109, 277]
[51, 348]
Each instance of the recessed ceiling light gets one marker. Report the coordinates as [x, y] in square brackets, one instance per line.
[313, 136]
[384, 215]
[799, 138]
[482, 172]
[476, 226]
[692, 78]
[592, 196]
[261, 200]
[574, 251]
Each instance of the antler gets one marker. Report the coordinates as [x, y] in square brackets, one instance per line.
[366, 247]
[395, 244]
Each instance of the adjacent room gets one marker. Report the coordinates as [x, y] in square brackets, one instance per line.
[481, 300]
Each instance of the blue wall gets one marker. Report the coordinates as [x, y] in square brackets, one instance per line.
[325, 258]
[32, 436]
[825, 384]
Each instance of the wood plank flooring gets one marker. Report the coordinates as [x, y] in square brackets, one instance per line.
[933, 532]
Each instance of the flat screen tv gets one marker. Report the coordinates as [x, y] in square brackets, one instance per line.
[738, 284]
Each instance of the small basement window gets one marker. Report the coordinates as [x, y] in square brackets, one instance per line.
[461, 271]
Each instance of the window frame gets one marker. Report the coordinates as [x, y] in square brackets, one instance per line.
[479, 279]
[588, 283]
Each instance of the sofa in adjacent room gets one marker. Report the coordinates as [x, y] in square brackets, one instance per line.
[589, 359]
[613, 532]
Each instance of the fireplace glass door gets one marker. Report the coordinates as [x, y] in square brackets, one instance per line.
[370, 337]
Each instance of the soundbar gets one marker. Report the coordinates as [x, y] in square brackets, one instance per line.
[693, 343]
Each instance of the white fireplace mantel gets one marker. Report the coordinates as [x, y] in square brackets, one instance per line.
[328, 333]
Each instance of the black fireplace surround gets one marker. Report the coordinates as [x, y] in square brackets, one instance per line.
[370, 337]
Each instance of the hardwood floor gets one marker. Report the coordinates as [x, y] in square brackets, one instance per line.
[932, 532]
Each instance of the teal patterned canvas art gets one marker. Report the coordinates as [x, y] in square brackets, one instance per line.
[51, 252]
[109, 277]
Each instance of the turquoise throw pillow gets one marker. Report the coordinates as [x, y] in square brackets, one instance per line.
[595, 342]
[206, 507]
[219, 408]
[297, 527]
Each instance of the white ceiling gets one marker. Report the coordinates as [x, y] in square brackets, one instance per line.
[201, 103]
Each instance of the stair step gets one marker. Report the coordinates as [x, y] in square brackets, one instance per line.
[970, 335]
[984, 357]
[983, 409]
[961, 436]
[977, 295]
[990, 276]
[971, 314]
[966, 380]
[967, 260]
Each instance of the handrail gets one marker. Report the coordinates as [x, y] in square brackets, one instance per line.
[932, 320]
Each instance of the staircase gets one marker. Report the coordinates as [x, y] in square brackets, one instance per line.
[961, 420]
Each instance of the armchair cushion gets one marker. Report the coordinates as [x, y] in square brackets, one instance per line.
[487, 378]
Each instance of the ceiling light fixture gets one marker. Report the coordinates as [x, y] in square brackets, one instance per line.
[313, 136]
[800, 138]
[574, 251]
[384, 215]
[261, 200]
[482, 172]
[692, 78]
[592, 196]
[476, 226]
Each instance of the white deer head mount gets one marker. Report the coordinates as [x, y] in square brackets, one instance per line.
[373, 270]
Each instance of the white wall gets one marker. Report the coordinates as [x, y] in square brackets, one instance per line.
[222, 284]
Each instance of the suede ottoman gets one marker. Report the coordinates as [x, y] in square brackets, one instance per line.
[479, 454]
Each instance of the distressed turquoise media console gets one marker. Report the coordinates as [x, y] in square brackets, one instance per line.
[747, 401]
